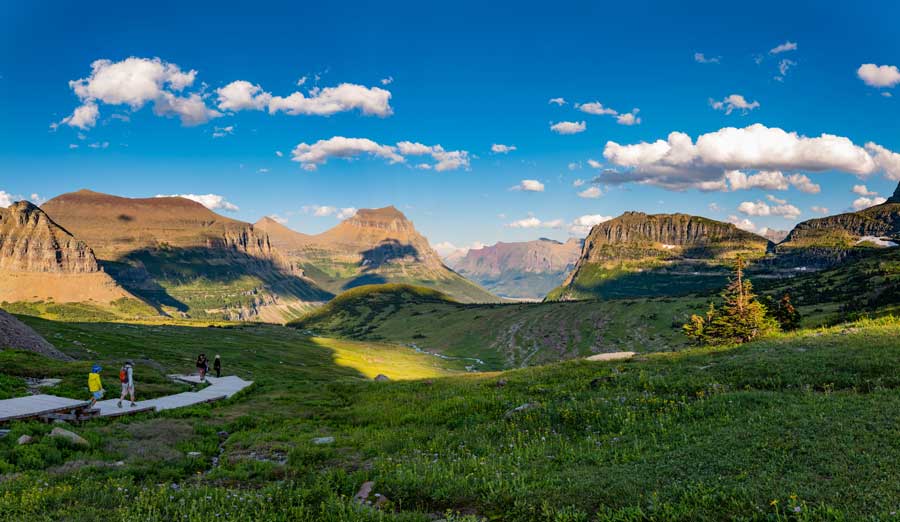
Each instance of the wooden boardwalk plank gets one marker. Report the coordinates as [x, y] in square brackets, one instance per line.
[37, 405]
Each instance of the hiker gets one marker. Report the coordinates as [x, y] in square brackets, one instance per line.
[217, 366]
[126, 377]
[94, 384]
[203, 366]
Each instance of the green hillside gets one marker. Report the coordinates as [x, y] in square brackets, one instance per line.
[502, 335]
[794, 427]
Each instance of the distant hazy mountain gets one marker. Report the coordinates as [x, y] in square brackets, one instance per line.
[185, 259]
[41, 261]
[639, 254]
[374, 246]
[825, 242]
[524, 270]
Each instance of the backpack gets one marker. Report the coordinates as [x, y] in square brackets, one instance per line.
[123, 375]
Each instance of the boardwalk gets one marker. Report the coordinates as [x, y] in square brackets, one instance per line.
[42, 405]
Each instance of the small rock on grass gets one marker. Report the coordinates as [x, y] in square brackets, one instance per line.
[71, 437]
[364, 491]
[501, 383]
[25, 439]
[382, 377]
[194, 454]
[524, 407]
[323, 440]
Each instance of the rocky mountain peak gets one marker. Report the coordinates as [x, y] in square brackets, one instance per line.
[32, 242]
[896, 197]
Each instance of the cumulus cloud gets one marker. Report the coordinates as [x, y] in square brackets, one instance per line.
[865, 202]
[786, 46]
[242, 95]
[574, 165]
[679, 163]
[498, 148]
[278, 219]
[862, 190]
[210, 201]
[594, 164]
[702, 58]
[578, 182]
[387, 81]
[802, 183]
[630, 118]
[595, 108]
[767, 179]
[311, 156]
[329, 211]
[569, 127]
[558, 101]
[533, 222]
[581, 226]
[279, 153]
[819, 209]
[590, 193]
[221, 132]
[742, 223]
[879, 75]
[529, 185]
[783, 67]
[761, 208]
[446, 249]
[7, 199]
[732, 102]
[135, 82]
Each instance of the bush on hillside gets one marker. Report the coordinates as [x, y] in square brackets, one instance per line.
[740, 318]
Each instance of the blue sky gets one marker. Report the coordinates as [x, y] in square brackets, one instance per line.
[465, 76]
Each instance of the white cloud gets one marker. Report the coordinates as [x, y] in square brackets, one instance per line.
[864, 202]
[569, 127]
[732, 102]
[529, 185]
[630, 118]
[446, 249]
[84, 117]
[278, 219]
[279, 153]
[714, 207]
[819, 210]
[574, 165]
[766, 179]
[773, 199]
[594, 164]
[879, 75]
[558, 101]
[783, 67]
[679, 163]
[802, 183]
[387, 81]
[262, 170]
[99, 145]
[424, 166]
[595, 108]
[581, 226]
[7, 199]
[73, 145]
[346, 213]
[578, 182]
[761, 208]
[702, 58]
[533, 222]
[743, 224]
[786, 46]
[311, 156]
[328, 211]
[210, 201]
[242, 95]
[221, 132]
[301, 81]
[446, 159]
[862, 190]
[498, 148]
[591, 193]
[135, 82]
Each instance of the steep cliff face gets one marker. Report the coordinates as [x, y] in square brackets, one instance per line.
[523, 270]
[31, 242]
[639, 254]
[41, 261]
[186, 259]
[16, 334]
[374, 246]
[825, 242]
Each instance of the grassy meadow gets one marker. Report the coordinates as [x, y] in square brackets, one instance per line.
[799, 426]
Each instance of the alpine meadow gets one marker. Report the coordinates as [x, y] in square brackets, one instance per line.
[468, 262]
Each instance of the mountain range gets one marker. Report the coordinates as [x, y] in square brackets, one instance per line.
[182, 259]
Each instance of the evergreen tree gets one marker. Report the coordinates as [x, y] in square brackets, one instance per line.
[740, 319]
[785, 313]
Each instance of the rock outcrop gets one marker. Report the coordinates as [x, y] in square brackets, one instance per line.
[639, 254]
[31, 242]
[18, 335]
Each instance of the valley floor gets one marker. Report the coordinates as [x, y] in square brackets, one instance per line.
[796, 427]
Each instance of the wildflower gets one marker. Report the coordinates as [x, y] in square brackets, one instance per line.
[774, 502]
[797, 509]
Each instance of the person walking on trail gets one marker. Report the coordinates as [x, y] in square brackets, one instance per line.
[126, 377]
[95, 386]
[217, 366]
[202, 366]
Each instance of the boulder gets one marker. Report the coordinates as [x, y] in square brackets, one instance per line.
[364, 491]
[613, 356]
[75, 439]
[382, 377]
[519, 409]
[24, 439]
[501, 383]
[323, 440]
